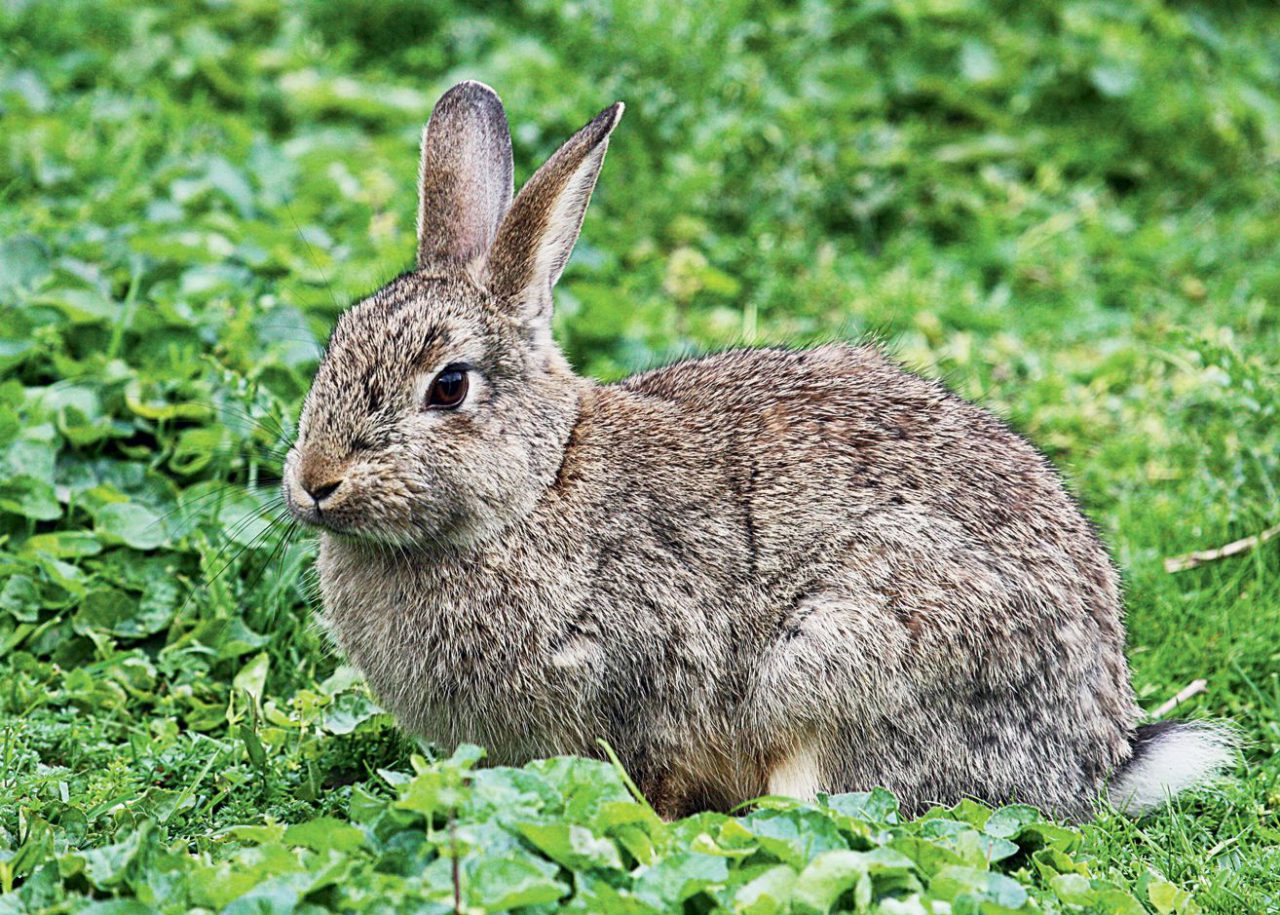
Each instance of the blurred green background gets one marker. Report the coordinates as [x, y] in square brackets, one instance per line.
[1070, 211]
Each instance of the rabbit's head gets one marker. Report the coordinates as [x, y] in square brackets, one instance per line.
[442, 408]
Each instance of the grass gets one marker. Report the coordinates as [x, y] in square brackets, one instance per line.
[1068, 211]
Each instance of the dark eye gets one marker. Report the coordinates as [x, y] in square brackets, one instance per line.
[449, 389]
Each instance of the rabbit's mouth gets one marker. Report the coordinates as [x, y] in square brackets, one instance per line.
[324, 493]
[369, 501]
[325, 505]
[335, 521]
[344, 511]
[311, 513]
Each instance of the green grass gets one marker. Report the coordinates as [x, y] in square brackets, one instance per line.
[1068, 211]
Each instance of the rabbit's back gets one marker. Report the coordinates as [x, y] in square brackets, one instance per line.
[825, 444]
[932, 593]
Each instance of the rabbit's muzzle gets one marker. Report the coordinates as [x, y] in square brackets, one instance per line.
[314, 490]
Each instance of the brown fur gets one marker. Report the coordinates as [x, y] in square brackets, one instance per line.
[804, 567]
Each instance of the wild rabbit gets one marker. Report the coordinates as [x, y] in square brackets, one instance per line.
[762, 571]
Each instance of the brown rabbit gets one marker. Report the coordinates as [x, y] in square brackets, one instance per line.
[763, 571]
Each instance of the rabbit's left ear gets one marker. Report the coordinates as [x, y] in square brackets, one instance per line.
[538, 234]
[465, 179]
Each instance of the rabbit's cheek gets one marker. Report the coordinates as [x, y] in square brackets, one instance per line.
[294, 498]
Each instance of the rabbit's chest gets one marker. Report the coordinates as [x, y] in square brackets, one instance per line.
[464, 658]
[542, 658]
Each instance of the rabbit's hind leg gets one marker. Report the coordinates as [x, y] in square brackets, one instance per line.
[832, 671]
[674, 795]
[800, 773]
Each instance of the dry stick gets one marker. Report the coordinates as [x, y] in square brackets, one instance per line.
[455, 870]
[1191, 560]
[1195, 687]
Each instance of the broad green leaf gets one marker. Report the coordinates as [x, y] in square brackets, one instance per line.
[497, 884]
[132, 524]
[24, 259]
[20, 598]
[571, 845]
[928, 855]
[674, 878]
[511, 794]
[147, 402]
[1074, 889]
[1112, 899]
[794, 836]
[1171, 900]
[1004, 893]
[278, 895]
[109, 610]
[593, 895]
[259, 835]
[1008, 822]
[63, 544]
[81, 306]
[826, 877]
[586, 785]
[30, 498]
[767, 894]
[106, 865]
[876, 806]
[325, 834]
[971, 812]
[348, 711]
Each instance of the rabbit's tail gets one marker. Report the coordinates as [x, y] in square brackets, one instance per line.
[1168, 758]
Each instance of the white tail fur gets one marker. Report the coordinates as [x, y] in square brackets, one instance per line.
[1168, 758]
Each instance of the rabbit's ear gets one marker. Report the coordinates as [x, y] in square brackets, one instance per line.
[538, 234]
[465, 178]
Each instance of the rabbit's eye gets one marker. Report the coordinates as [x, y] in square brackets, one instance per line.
[449, 389]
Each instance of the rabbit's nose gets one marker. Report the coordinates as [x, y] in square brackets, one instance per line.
[317, 475]
[322, 491]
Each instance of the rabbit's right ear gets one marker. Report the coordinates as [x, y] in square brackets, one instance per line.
[535, 239]
[465, 179]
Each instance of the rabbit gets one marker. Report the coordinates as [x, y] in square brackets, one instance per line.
[761, 572]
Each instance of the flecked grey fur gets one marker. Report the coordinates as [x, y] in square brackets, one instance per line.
[720, 567]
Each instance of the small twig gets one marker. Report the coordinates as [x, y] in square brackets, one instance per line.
[1191, 560]
[1194, 688]
[455, 870]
